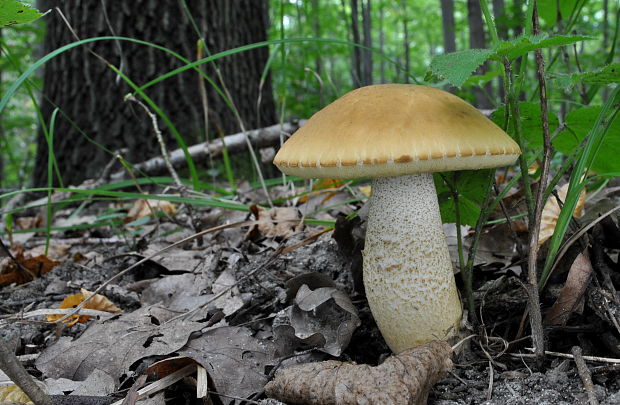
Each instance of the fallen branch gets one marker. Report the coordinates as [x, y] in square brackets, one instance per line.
[269, 136]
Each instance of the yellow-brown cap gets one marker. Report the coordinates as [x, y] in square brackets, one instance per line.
[393, 130]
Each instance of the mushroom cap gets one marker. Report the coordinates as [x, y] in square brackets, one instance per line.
[393, 130]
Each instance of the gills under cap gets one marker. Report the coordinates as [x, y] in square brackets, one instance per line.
[394, 130]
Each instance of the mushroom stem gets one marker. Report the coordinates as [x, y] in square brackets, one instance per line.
[408, 273]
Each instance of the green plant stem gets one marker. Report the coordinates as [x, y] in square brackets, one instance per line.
[468, 270]
[516, 119]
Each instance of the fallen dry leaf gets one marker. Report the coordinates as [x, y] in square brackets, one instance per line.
[98, 302]
[31, 267]
[277, 222]
[572, 293]
[114, 345]
[144, 208]
[322, 317]
[403, 379]
[551, 213]
[235, 360]
[12, 393]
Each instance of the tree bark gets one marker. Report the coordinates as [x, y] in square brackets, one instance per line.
[367, 53]
[356, 68]
[447, 20]
[90, 95]
[477, 41]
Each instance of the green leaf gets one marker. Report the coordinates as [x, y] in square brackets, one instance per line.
[456, 67]
[472, 186]
[481, 80]
[548, 11]
[605, 75]
[14, 12]
[531, 123]
[579, 123]
[567, 7]
[522, 45]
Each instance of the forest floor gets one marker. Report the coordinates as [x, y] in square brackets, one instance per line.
[243, 301]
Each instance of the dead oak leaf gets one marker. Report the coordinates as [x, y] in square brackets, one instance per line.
[24, 268]
[403, 379]
[98, 302]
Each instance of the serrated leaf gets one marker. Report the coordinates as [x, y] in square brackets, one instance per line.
[14, 12]
[457, 67]
[579, 122]
[522, 45]
[472, 186]
[531, 123]
[605, 75]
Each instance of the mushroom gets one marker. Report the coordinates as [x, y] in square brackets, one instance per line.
[398, 134]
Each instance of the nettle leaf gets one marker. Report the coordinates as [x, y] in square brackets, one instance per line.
[605, 75]
[522, 45]
[531, 123]
[457, 67]
[472, 186]
[579, 122]
[15, 12]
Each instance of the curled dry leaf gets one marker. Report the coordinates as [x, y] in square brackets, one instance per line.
[551, 213]
[144, 208]
[571, 295]
[278, 222]
[28, 269]
[403, 379]
[98, 302]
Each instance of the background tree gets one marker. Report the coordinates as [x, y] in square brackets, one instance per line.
[90, 96]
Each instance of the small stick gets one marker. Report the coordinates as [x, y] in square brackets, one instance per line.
[538, 336]
[585, 375]
[18, 374]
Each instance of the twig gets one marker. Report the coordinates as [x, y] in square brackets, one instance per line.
[18, 374]
[538, 337]
[585, 375]
[160, 139]
[608, 360]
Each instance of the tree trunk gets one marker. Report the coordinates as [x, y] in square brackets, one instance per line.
[367, 53]
[90, 95]
[447, 20]
[356, 69]
[477, 41]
